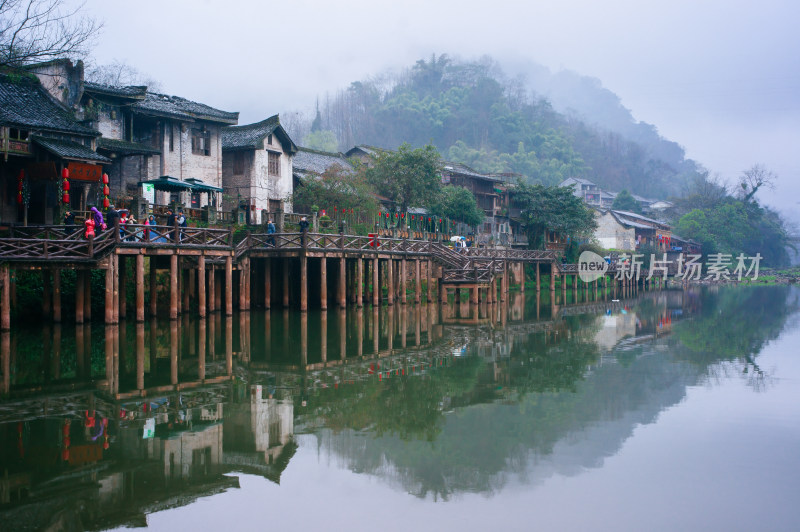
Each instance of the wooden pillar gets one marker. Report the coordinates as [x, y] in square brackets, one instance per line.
[243, 284]
[201, 288]
[342, 284]
[359, 282]
[417, 281]
[376, 289]
[186, 287]
[304, 283]
[87, 296]
[430, 281]
[552, 277]
[173, 287]
[285, 288]
[229, 285]
[267, 283]
[213, 301]
[5, 311]
[109, 302]
[403, 280]
[323, 283]
[390, 281]
[538, 277]
[442, 293]
[80, 279]
[153, 287]
[122, 287]
[521, 266]
[47, 293]
[139, 280]
[57, 295]
[474, 296]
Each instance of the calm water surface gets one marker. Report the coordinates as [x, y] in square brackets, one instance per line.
[670, 410]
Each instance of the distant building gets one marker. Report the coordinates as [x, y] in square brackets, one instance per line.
[258, 168]
[311, 164]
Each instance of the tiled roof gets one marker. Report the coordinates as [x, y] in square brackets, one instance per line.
[182, 109]
[367, 150]
[25, 104]
[462, 169]
[577, 181]
[253, 135]
[317, 162]
[124, 147]
[69, 150]
[132, 91]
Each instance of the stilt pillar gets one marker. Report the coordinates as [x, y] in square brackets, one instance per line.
[323, 283]
[430, 281]
[80, 279]
[304, 284]
[285, 288]
[417, 282]
[359, 283]
[267, 283]
[342, 284]
[139, 281]
[153, 287]
[376, 289]
[228, 286]
[213, 301]
[173, 287]
[122, 288]
[538, 277]
[201, 287]
[390, 280]
[5, 310]
[403, 281]
[57, 296]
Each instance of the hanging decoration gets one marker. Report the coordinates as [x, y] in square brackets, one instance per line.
[106, 192]
[65, 186]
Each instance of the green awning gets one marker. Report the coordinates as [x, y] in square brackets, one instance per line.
[168, 183]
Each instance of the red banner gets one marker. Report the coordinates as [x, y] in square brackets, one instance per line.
[85, 172]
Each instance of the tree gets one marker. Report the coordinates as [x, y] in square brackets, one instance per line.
[753, 179]
[322, 140]
[336, 187]
[120, 74]
[555, 209]
[42, 30]
[626, 202]
[458, 204]
[407, 177]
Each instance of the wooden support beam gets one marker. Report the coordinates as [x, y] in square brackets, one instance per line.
[342, 284]
[47, 293]
[213, 301]
[139, 288]
[403, 280]
[57, 295]
[304, 286]
[229, 286]
[376, 289]
[285, 287]
[80, 291]
[109, 302]
[417, 282]
[538, 277]
[122, 285]
[323, 283]
[5, 305]
[173, 287]
[430, 281]
[201, 289]
[390, 281]
[87, 296]
[359, 282]
[153, 286]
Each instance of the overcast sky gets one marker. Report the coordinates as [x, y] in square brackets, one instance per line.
[720, 77]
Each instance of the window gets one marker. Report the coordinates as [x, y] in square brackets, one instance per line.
[269, 139]
[201, 142]
[274, 167]
[17, 134]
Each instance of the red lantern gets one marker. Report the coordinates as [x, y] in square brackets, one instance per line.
[105, 179]
[106, 203]
[20, 185]
[106, 190]
[19, 198]
[65, 173]
[403, 215]
[66, 186]
[65, 198]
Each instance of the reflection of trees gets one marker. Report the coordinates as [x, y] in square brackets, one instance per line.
[732, 329]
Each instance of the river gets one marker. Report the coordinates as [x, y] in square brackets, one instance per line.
[670, 410]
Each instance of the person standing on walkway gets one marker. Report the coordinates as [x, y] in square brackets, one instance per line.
[270, 233]
[303, 230]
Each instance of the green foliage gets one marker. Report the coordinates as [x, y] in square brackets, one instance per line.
[626, 202]
[335, 188]
[322, 140]
[457, 203]
[553, 208]
[408, 177]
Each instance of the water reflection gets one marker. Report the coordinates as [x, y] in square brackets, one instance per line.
[106, 423]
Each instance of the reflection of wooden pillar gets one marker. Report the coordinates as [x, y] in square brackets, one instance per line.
[359, 282]
[304, 284]
[342, 333]
[153, 287]
[229, 286]
[323, 335]
[173, 287]
[267, 283]
[285, 288]
[376, 335]
[201, 286]
[229, 345]
[376, 289]
[173, 352]
[360, 331]
[201, 350]
[139, 354]
[139, 287]
[390, 281]
[80, 279]
[303, 337]
[323, 283]
[342, 285]
[122, 287]
[5, 360]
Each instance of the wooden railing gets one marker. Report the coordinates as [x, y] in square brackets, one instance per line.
[47, 249]
[137, 235]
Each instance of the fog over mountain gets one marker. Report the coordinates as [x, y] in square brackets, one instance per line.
[719, 78]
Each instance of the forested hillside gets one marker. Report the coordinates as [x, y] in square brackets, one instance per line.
[474, 114]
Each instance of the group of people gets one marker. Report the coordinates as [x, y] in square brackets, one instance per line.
[96, 223]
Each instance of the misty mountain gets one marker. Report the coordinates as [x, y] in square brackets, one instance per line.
[545, 127]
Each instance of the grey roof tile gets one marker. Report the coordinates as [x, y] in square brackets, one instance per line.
[252, 135]
[69, 150]
[308, 161]
[182, 109]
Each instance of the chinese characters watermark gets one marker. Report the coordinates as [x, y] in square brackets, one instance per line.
[686, 267]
